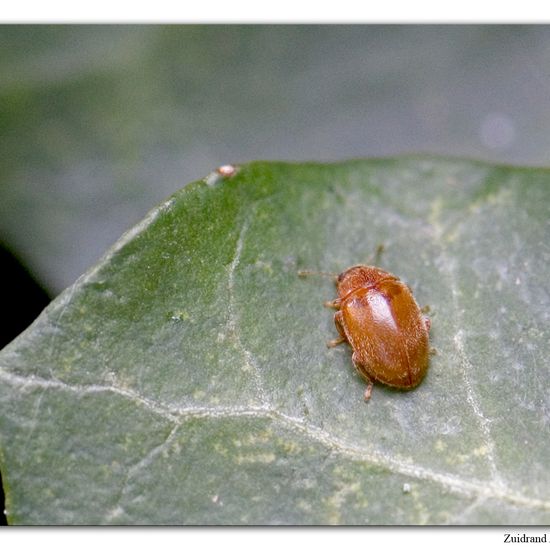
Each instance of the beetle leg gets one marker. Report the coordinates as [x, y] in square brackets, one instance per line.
[368, 391]
[432, 351]
[335, 342]
[364, 376]
[338, 321]
[343, 338]
[335, 304]
[425, 309]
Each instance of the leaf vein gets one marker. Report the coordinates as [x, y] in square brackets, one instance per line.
[233, 322]
[177, 415]
[465, 364]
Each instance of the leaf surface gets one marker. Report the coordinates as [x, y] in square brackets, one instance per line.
[185, 378]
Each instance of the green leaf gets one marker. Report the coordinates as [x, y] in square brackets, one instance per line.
[185, 379]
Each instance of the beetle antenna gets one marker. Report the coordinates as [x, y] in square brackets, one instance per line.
[375, 258]
[307, 272]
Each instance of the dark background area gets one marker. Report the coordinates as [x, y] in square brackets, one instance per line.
[100, 123]
[23, 301]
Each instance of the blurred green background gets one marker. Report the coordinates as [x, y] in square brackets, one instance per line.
[100, 123]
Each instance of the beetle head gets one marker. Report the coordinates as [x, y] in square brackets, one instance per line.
[359, 276]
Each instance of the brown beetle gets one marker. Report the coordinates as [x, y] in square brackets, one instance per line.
[378, 316]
